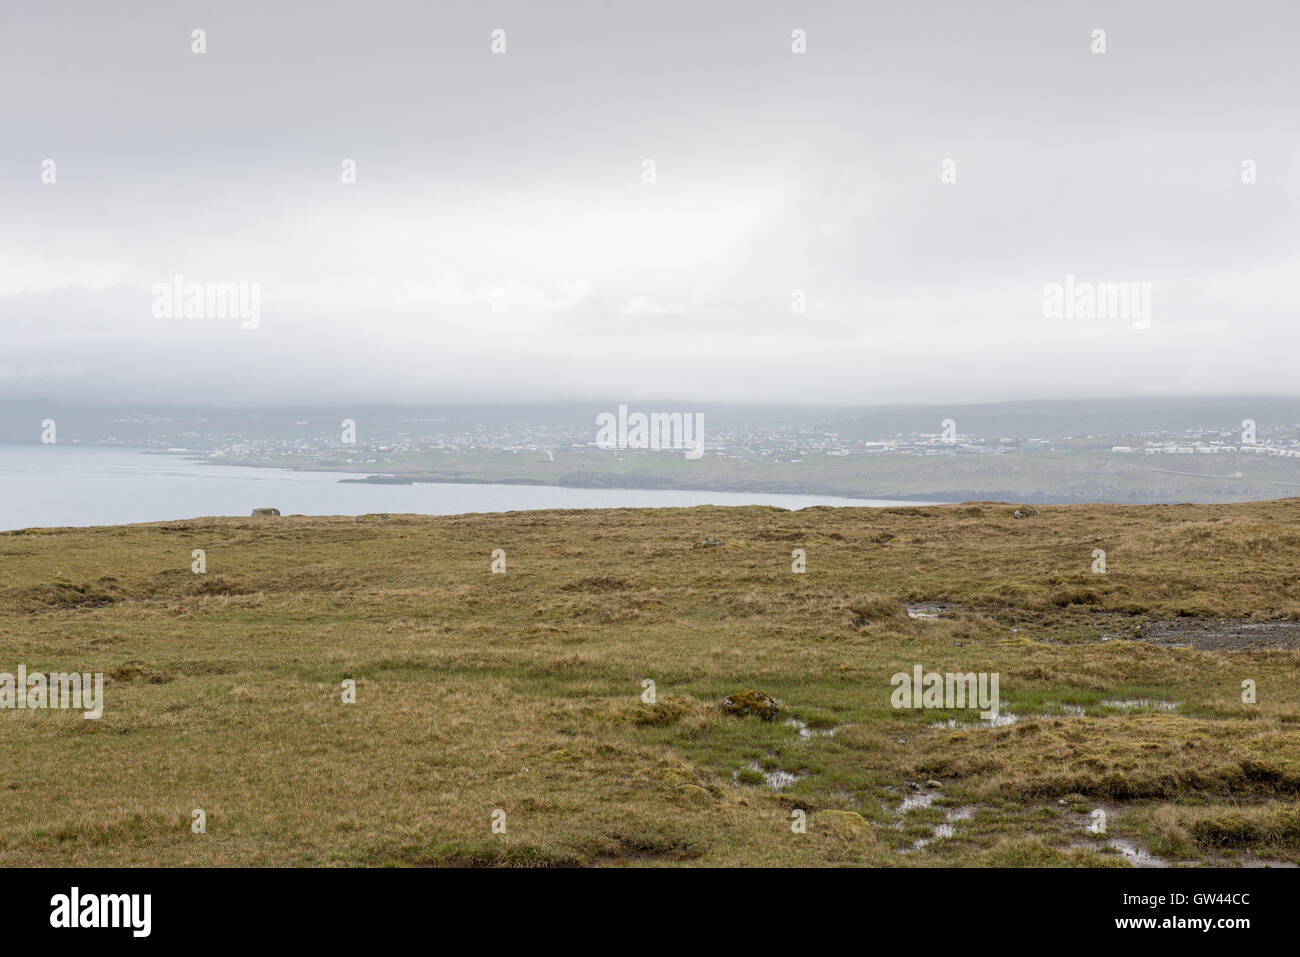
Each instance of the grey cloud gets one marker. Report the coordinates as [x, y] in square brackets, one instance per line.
[519, 176]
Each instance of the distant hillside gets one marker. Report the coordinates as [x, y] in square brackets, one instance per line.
[20, 419]
[1074, 417]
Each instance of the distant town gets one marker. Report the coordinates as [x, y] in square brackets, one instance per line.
[751, 443]
[1133, 451]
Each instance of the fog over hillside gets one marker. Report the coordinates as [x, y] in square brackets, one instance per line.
[778, 203]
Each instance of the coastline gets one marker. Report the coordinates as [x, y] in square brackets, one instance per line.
[932, 482]
[735, 488]
[603, 480]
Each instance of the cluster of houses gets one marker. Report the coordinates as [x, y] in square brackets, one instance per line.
[1204, 448]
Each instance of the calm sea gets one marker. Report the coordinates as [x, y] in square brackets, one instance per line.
[54, 485]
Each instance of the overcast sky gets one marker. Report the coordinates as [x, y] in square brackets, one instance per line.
[500, 241]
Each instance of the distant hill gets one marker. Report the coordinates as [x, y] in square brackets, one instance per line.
[20, 419]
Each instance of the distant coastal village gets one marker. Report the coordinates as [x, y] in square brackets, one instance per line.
[1217, 450]
[775, 444]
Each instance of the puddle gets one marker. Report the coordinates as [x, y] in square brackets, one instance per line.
[807, 732]
[1137, 856]
[1079, 711]
[1260, 862]
[1073, 710]
[940, 832]
[1001, 721]
[777, 780]
[918, 799]
[1129, 704]
[780, 779]
[927, 610]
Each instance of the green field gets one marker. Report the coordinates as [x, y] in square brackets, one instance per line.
[521, 692]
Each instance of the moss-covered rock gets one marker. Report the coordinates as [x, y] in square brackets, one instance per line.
[679, 775]
[842, 823]
[693, 794]
[757, 703]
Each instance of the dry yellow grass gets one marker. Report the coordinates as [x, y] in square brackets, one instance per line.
[522, 691]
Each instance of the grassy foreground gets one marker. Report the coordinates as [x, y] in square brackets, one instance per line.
[522, 692]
